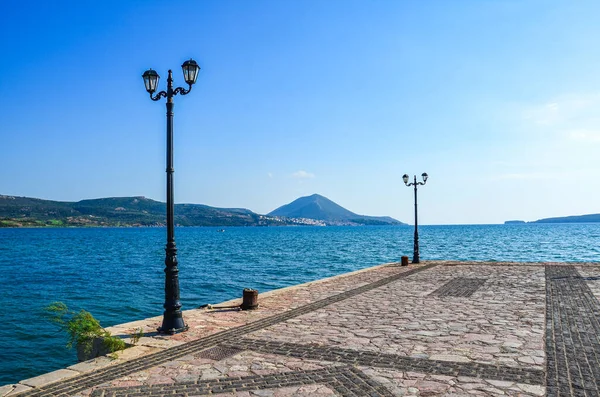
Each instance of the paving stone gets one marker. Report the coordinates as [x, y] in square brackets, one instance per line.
[93, 364]
[449, 357]
[50, 377]
[532, 389]
[459, 287]
[11, 390]
[4, 390]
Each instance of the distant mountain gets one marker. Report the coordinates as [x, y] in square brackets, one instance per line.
[571, 219]
[321, 208]
[122, 211]
[140, 211]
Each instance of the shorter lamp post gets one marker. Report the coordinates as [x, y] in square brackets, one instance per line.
[416, 240]
[172, 317]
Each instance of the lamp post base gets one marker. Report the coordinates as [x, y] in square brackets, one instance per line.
[172, 324]
[416, 259]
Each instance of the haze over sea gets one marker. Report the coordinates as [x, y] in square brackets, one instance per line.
[117, 273]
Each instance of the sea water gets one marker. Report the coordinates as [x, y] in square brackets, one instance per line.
[117, 273]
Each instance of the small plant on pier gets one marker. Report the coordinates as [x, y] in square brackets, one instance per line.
[136, 336]
[82, 328]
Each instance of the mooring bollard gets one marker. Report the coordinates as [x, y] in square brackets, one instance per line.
[404, 261]
[249, 299]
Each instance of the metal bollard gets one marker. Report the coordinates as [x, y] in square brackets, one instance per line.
[404, 261]
[249, 299]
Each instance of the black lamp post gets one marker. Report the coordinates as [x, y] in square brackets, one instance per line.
[416, 240]
[172, 318]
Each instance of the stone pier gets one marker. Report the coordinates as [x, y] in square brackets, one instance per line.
[440, 328]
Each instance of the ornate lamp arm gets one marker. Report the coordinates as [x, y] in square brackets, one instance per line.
[159, 95]
[182, 91]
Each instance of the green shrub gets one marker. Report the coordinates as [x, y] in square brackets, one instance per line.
[82, 328]
[135, 337]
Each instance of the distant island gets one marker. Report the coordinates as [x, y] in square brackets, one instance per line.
[571, 219]
[143, 212]
[590, 218]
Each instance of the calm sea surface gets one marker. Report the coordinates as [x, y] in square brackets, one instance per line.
[117, 274]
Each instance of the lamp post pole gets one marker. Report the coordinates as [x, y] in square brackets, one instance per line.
[172, 317]
[416, 237]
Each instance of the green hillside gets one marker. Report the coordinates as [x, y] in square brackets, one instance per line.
[121, 211]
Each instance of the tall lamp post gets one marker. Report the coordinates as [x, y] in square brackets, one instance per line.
[416, 239]
[172, 318]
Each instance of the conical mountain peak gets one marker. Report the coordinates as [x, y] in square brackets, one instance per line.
[321, 208]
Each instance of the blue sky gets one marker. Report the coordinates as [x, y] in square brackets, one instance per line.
[498, 101]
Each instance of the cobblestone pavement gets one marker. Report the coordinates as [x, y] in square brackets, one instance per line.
[435, 367]
[436, 329]
[573, 334]
[591, 276]
[344, 381]
[500, 323]
[459, 286]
